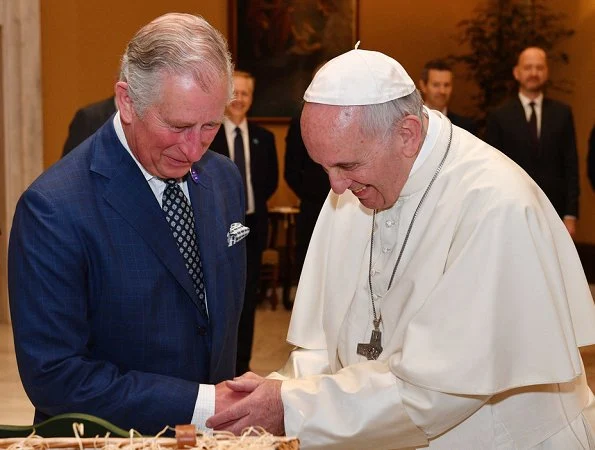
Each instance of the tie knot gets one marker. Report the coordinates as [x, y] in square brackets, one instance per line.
[532, 105]
[171, 181]
[238, 131]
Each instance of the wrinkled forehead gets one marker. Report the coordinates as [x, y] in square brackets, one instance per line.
[327, 120]
[328, 128]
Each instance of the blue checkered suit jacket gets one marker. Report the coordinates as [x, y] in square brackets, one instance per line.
[104, 312]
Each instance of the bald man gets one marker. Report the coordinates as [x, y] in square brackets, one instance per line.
[545, 146]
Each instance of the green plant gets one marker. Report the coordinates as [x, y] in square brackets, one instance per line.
[498, 32]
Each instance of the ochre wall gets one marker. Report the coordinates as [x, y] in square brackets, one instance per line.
[82, 42]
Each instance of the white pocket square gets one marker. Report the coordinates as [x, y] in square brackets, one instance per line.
[236, 233]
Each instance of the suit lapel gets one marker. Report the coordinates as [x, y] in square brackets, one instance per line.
[519, 120]
[211, 231]
[201, 198]
[219, 144]
[129, 194]
[547, 121]
[253, 144]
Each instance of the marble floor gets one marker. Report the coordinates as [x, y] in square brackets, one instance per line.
[270, 352]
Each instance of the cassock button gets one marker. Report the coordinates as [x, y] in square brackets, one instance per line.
[202, 331]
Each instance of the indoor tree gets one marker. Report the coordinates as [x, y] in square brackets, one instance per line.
[498, 31]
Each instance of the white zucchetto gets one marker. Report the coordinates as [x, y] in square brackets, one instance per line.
[359, 77]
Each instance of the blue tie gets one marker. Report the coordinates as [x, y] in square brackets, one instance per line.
[180, 218]
[239, 157]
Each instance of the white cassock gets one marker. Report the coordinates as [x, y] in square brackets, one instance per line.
[480, 328]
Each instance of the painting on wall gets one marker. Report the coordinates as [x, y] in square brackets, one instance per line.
[282, 42]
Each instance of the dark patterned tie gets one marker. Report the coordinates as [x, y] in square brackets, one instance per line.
[239, 156]
[180, 218]
[533, 127]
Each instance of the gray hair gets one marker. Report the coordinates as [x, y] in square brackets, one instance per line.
[379, 120]
[175, 43]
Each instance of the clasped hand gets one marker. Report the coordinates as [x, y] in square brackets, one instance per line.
[249, 400]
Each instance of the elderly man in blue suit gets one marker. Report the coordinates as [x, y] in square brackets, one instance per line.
[127, 258]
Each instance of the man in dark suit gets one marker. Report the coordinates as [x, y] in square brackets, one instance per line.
[253, 150]
[310, 183]
[538, 134]
[126, 260]
[87, 121]
[435, 85]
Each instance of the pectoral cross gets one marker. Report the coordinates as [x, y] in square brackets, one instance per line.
[374, 348]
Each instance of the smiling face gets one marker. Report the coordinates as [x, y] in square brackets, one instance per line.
[531, 71]
[177, 129]
[243, 87]
[438, 89]
[374, 169]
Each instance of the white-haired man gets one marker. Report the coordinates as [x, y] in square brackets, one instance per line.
[441, 302]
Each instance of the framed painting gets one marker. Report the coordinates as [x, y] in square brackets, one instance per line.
[282, 42]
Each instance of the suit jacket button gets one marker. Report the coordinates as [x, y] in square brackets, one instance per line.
[202, 331]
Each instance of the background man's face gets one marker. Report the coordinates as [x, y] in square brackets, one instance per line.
[437, 90]
[243, 90]
[531, 71]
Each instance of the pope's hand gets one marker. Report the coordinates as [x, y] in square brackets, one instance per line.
[259, 406]
[225, 397]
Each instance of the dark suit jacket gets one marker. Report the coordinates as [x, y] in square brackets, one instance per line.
[554, 166]
[306, 178]
[87, 121]
[264, 170]
[467, 123]
[310, 183]
[103, 309]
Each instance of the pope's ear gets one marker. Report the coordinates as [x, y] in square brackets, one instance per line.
[410, 135]
[124, 102]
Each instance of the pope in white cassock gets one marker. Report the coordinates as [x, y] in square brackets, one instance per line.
[442, 302]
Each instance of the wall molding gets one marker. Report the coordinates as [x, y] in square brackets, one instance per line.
[21, 155]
